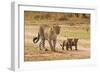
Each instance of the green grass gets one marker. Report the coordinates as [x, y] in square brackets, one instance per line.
[79, 32]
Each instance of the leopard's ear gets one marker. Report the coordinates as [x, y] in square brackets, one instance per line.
[57, 29]
[76, 39]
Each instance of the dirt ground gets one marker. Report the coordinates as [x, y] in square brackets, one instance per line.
[32, 52]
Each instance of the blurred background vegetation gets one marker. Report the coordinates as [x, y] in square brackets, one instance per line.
[36, 17]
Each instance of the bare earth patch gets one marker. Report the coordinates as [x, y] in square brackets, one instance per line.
[58, 55]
